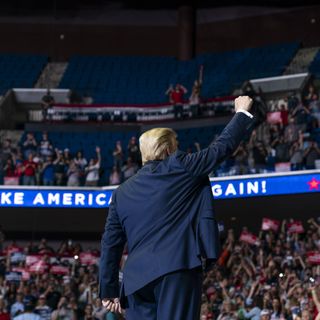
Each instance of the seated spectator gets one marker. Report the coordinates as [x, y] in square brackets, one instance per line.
[29, 171]
[92, 170]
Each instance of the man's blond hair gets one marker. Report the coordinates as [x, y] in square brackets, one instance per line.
[157, 143]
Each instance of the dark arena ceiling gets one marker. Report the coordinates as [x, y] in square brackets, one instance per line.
[22, 6]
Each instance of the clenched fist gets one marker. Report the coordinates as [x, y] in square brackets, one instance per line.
[243, 103]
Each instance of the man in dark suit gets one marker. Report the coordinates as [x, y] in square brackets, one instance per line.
[165, 214]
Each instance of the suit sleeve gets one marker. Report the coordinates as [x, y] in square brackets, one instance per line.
[204, 161]
[112, 245]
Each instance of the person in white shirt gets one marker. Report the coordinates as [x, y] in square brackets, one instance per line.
[43, 310]
[92, 170]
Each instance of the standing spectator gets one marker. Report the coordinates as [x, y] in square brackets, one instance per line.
[80, 160]
[45, 147]
[73, 175]
[115, 177]
[311, 95]
[67, 156]
[29, 171]
[129, 169]
[99, 312]
[276, 310]
[10, 169]
[18, 306]
[282, 149]
[48, 171]
[133, 150]
[59, 168]
[194, 99]
[296, 156]
[63, 311]
[29, 145]
[42, 309]
[7, 150]
[117, 155]
[47, 102]
[265, 314]
[92, 170]
[240, 160]
[176, 98]
[284, 115]
[311, 154]
[4, 314]
[259, 155]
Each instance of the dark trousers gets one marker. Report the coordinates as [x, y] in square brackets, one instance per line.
[174, 296]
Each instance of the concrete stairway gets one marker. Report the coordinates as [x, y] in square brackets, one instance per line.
[51, 75]
[302, 60]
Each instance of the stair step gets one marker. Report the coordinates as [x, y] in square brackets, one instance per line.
[51, 75]
[302, 60]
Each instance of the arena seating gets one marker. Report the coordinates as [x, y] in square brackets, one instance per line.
[315, 66]
[20, 70]
[140, 79]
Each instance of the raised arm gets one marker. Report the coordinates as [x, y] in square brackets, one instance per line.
[204, 161]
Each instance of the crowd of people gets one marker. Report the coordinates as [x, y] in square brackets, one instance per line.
[283, 142]
[40, 283]
[275, 277]
[40, 163]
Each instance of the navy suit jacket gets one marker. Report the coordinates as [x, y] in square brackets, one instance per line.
[165, 214]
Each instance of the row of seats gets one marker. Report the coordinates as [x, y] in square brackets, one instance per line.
[144, 79]
[20, 70]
